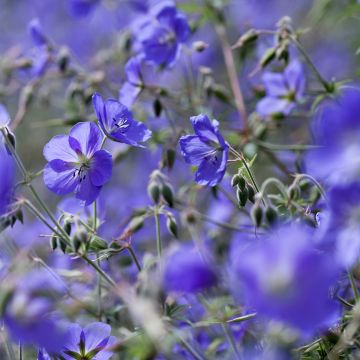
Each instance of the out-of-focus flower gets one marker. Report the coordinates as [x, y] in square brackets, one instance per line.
[207, 149]
[43, 355]
[336, 131]
[283, 90]
[37, 33]
[186, 271]
[7, 167]
[162, 34]
[117, 122]
[282, 274]
[41, 53]
[91, 342]
[137, 74]
[28, 312]
[82, 8]
[77, 164]
[343, 225]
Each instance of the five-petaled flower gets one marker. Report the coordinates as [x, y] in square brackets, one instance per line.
[92, 342]
[117, 122]
[162, 34]
[77, 164]
[207, 149]
[283, 90]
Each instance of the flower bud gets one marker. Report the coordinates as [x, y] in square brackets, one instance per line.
[76, 242]
[62, 245]
[154, 192]
[257, 215]
[235, 180]
[67, 227]
[293, 192]
[271, 215]
[200, 46]
[242, 196]
[53, 242]
[97, 244]
[172, 226]
[250, 36]
[242, 183]
[251, 193]
[167, 193]
[63, 59]
[135, 224]
[268, 57]
[157, 106]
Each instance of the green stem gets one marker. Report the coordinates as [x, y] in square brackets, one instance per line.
[231, 340]
[100, 271]
[353, 286]
[244, 162]
[158, 235]
[133, 255]
[189, 348]
[323, 82]
[20, 351]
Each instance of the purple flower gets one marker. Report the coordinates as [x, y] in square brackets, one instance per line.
[336, 130]
[162, 34]
[82, 8]
[207, 149]
[43, 355]
[7, 167]
[77, 164]
[41, 53]
[186, 271]
[284, 278]
[343, 223]
[117, 122]
[137, 74]
[91, 342]
[283, 90]
[28, 312]
[37, 33]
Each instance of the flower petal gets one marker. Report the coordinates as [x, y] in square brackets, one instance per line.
[295, 77]
[88, 136]
[101, 168]
[194, 150]
[204, 128]
[212, 170]
[115, 112]
[87, 191]
[136, 132]
[95, 333]
[271, 105]
[60, 183]
[275, 84]
[99, 107]
[58, 148]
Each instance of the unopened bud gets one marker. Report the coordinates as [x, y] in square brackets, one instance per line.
[242, 196]
[271, 215]
[235, 180]
[172, 226]
[251, 193]
[268, 57]
[154, 192]
[257, 215]
[250, 36]
[200, 46]
[168, 195]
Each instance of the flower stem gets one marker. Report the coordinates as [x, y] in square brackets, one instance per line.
[133, 255]
[232, 74]
[158, 235]
[323, 82]
[231, 340]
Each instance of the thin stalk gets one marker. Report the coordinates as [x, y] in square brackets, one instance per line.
[232, 74]
[189, 348]
[323, 82]
[158, 235]
[20, 351]
[100, 271]
[133, 255]
[98, 262]
[244, 162]
[231, 340]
